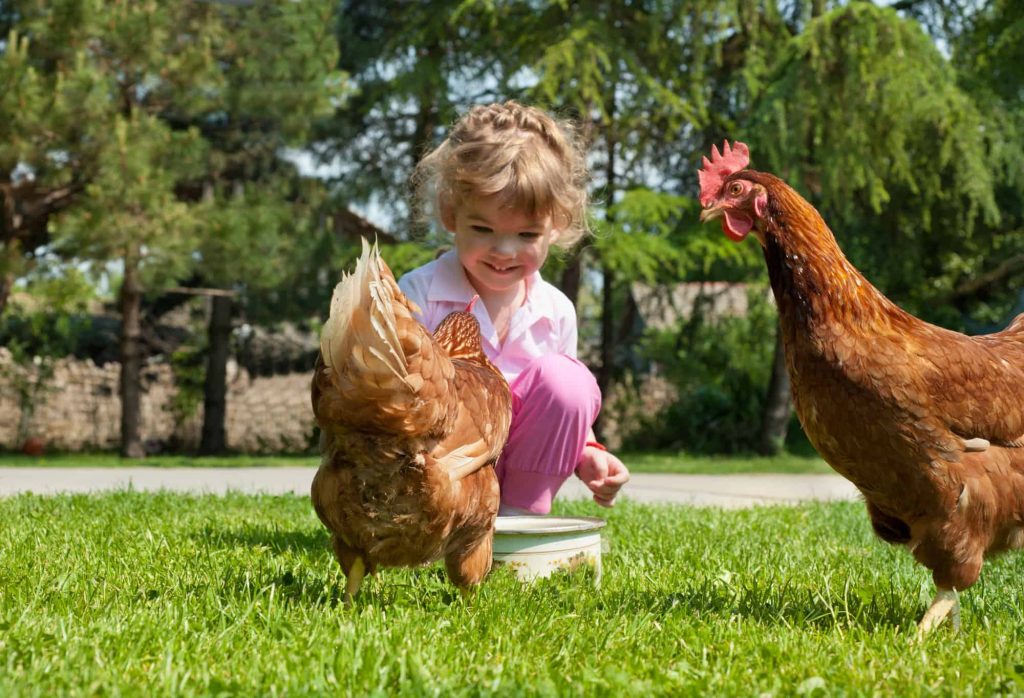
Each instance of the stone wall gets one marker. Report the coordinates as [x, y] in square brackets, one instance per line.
[80, 410]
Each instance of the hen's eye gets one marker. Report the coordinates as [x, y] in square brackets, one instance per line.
[735, 189]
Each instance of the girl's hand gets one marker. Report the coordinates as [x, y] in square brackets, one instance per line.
[603, 473]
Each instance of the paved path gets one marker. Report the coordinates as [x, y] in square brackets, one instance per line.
[729, 491]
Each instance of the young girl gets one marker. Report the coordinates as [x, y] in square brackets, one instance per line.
[509, 182]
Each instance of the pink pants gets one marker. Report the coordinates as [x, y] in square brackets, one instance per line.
[555, 401]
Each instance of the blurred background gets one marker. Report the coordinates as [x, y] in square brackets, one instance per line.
[182, 184]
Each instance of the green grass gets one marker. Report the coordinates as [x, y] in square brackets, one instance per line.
[135, 594]
[113, 460]
[645, 462]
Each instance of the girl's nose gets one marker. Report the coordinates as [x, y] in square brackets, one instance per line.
[505, 246]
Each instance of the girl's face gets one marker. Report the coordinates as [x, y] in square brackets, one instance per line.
[499, 246]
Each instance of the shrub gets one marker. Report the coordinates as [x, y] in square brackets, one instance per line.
[720, 367]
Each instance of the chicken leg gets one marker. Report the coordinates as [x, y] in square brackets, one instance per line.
[352, 564]
[468, 565]
[354, 579]
[946, 604]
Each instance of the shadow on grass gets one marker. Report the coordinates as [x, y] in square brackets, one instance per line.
[785, 605]
[278, 540]
[321, 581]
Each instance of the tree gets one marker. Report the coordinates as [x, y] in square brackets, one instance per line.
[277, 75]
[129, 212]
[414, 66]
[868, 119]
[634, 74]
[166, 129]
[35, 116]
[135, 61]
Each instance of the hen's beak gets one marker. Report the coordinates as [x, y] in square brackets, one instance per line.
[710, 214]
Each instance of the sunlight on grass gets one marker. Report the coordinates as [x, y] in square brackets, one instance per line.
[113, 460]
[186, 595]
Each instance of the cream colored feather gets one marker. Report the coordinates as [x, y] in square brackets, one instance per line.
[361, 325]
[461, 461]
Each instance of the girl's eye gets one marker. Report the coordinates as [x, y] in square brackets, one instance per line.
[480, 229]
[529, 235]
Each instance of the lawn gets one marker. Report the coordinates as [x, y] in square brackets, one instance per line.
[639, 462]
[165, 594]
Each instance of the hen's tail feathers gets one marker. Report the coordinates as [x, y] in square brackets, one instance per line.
[361, 326]
[381, 370]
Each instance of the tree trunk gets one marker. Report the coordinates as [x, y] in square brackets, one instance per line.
[778, 405]
[131, 358]
[213, 441]
[570, 282]
[604, 374]
[6, 284]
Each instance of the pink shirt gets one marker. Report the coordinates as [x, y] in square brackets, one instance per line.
[544, 324]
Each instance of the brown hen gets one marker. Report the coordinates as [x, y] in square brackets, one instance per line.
[927, 423]
[411, 426]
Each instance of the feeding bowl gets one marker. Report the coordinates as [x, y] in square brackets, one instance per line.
[537, 546]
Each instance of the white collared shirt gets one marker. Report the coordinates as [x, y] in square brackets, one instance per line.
[544, 324]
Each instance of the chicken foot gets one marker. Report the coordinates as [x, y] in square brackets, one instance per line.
[946, 604]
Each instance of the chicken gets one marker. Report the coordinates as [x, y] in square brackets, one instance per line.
[411, 426]
[927, 423]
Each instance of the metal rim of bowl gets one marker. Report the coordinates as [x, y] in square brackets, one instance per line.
[556, 525]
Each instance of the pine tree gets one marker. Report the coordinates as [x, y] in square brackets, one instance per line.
[134, 62]
[277, 77]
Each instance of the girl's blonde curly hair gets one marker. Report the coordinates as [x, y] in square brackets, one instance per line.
[530, 159]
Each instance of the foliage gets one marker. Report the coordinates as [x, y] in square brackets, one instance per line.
[413, 67]
[130, 209]
[276, 77]
[248, 237]
[406, 256]
[115, 70]
[655, 237]
[36, 331]
[189, 367]
[720, 367]
[157, 134]
[866, 117]
[164, 594]
[44, 114]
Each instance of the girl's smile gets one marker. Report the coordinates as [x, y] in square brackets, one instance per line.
[499, 245]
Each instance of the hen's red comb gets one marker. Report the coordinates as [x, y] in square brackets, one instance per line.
[730, 161]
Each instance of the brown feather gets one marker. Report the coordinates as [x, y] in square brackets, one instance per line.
[410, 431]
[889, 400]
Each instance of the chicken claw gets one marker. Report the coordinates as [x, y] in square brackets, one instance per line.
[946, 604]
